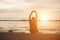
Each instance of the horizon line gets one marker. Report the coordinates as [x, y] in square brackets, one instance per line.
[28, 20]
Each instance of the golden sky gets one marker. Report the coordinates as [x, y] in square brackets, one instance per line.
[20, 9]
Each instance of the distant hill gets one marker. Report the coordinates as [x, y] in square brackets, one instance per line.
[28, 20]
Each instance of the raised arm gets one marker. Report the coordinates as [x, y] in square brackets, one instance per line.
[32, 13]
[36, 15]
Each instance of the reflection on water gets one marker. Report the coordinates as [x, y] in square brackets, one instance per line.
[23, 26]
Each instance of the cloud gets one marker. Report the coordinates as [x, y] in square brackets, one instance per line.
[23, 7]
[29, 4]
[5, 4]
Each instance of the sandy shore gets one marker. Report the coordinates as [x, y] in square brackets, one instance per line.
[28, 36]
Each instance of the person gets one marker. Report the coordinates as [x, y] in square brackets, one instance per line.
[33, 23]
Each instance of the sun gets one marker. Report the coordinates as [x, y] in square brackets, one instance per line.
[43, 17]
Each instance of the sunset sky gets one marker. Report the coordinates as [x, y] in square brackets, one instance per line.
[20, 9]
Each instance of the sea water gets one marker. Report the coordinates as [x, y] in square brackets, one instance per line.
[23, 26]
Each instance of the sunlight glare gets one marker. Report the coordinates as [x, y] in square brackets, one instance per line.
[43, 17]
[43, 14]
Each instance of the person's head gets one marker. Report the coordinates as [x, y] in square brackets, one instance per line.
[33, 17]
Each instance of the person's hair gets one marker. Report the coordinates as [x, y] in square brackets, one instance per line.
[33, 17]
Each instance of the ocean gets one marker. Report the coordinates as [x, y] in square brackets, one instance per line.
[23, 26]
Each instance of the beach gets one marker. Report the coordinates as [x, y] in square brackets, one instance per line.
[28, 36]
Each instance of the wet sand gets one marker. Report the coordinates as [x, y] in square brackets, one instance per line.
[28, 36]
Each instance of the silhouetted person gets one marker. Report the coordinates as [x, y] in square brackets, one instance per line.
[33, 23]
